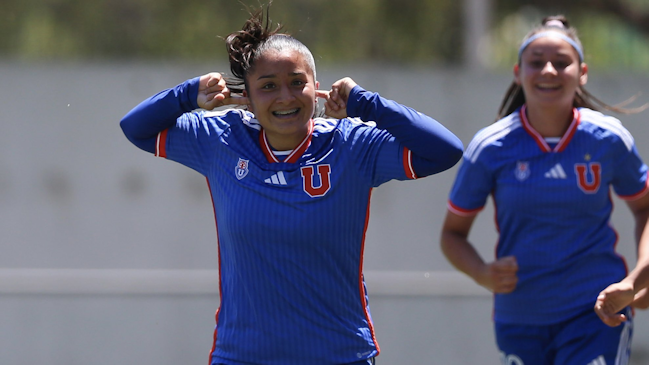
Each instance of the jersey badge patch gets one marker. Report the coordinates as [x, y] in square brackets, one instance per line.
[522, 171]
[242, 169]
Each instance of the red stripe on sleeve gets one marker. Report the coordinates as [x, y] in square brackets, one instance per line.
[407, 164]
[161, 144]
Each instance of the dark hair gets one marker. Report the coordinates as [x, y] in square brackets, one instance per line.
[257, 36]
[515, 98]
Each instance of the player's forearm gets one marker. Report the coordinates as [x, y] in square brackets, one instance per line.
[639, 276]
[437, 147]
[143, 123]
[461, 254]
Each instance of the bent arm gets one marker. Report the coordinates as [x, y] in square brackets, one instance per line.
[434, 147]
[632, 290]
[639, 276]
[499, 276]
[143, 123]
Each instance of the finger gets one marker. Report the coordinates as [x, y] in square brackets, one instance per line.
[331, 105]
[322, 94]
[509, 260]
[334, 95]
[507, 280]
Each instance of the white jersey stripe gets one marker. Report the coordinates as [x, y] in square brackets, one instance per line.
[491, 134]
[610, 124]
[280, 176]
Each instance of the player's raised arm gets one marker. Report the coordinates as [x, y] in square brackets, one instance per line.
[142, 124]
[434, 147]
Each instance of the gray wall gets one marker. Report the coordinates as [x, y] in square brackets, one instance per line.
[109, 254]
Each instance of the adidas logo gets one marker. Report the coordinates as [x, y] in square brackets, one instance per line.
[556, 172]
[276, 179]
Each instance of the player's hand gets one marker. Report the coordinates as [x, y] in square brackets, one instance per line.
[213, 93]
[612, 300]
[500, 276]
[336, 99]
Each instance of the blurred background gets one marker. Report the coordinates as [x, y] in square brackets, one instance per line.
[108, 255]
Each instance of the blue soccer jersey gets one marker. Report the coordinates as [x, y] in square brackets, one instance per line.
[290, 233]
[553, 206]
[291, 227]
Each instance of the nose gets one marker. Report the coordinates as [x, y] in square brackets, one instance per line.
[549, 68]
[286, 94]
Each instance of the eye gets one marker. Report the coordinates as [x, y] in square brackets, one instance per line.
[268, 86]
[536, 63]
[560, 65]
[298, 82]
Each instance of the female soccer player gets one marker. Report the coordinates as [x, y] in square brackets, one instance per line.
[549, 163]
[291, 193]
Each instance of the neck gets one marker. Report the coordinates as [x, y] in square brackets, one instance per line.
[287, 141]
[549, 122]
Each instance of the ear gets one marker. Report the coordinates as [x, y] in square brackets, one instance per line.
[249, 106]
[583, 78]
[517, 74]
[317, 87]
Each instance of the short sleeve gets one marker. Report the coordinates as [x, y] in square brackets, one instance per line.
[472, 186]
[630, 180]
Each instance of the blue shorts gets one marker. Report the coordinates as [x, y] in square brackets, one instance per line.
[582, 340]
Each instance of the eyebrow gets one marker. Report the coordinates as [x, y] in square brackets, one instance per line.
[539, 52]
[270, 76]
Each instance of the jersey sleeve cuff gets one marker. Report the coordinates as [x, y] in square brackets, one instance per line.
[461, 211]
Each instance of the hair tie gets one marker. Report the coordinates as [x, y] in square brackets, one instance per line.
[551, 33]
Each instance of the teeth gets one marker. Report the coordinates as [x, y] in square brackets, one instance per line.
[285, 112]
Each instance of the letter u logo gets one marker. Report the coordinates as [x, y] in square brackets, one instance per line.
[307, 180]
[595, 172]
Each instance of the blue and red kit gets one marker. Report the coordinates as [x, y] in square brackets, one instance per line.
[553, 207]
[291, 227]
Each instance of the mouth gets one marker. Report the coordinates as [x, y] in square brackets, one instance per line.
[548, 87]
[286, 113]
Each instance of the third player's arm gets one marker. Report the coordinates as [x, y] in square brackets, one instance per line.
[498, 276]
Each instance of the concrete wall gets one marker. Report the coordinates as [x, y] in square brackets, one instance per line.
[108, 254]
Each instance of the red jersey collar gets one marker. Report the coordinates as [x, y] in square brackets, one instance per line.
[540, 141]
[297, 151]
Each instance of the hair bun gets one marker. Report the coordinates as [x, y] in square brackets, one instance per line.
[555, 23]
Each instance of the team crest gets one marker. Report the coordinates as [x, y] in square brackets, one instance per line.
[522, 171]
[242, 169]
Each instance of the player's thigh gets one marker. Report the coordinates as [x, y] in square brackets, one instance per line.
[586, 340]
[522, 344]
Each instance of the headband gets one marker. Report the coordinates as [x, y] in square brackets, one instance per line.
[552, 33]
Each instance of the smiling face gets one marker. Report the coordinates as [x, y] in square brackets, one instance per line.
[281, 89]
[550, 73]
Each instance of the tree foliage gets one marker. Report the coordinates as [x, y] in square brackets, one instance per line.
[403, 32]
